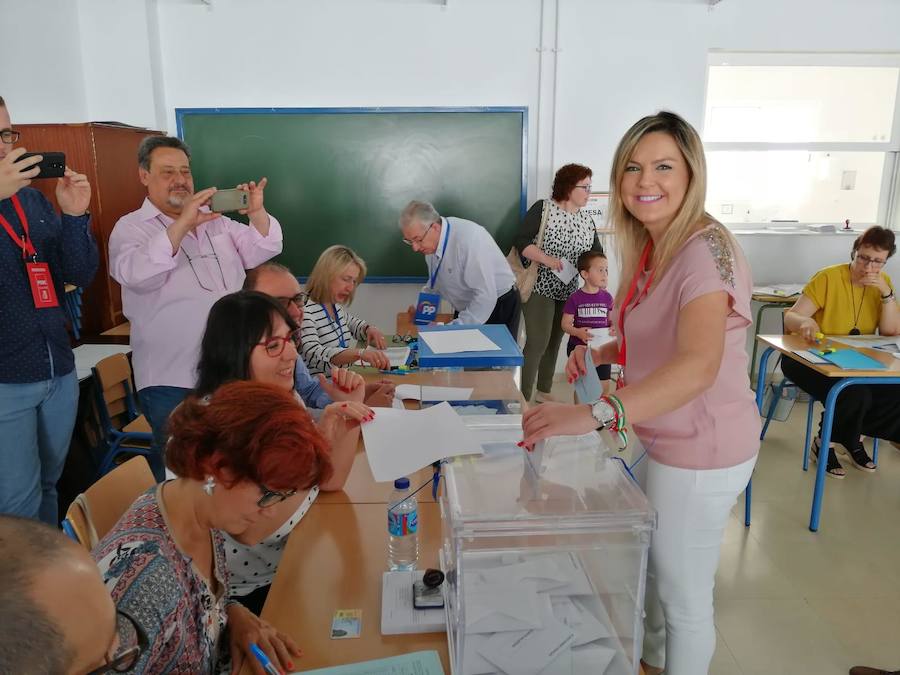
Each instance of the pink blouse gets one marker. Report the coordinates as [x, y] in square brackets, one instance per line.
[720, 428]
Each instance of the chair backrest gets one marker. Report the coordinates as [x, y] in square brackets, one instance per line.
[115, 400]
[94, 513]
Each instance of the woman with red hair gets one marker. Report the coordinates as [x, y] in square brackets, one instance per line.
[238, 455]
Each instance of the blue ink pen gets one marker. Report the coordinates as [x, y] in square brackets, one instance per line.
[263, 660]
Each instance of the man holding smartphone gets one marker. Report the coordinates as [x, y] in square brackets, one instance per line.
[40, 250]
[174, 258]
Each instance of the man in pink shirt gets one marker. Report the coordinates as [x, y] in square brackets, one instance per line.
[174, 258]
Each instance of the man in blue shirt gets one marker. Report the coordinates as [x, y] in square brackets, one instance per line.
[40, 250]
[278, 281]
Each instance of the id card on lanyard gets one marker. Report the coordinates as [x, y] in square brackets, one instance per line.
[429, 301]
[43, 292]
[632, 290]
[336, 324]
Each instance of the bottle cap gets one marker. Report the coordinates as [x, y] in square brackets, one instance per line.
[401, 484]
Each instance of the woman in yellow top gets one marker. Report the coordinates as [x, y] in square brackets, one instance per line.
[852, 299]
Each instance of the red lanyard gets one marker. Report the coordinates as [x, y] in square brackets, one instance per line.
[641, 269]
[25, 240]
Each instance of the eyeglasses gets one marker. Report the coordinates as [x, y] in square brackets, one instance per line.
[201, 257]
[299, 300]
[275, 345]
[272, 497]
[586, 188]
[418, 240]
[866, 261]
[132, 643]
[9, 136]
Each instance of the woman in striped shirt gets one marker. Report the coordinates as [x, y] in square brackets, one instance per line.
[328, 327]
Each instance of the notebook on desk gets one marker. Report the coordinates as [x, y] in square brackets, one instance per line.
[849, 359]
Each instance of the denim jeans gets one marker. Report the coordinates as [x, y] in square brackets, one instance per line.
[157, 403]
[36, 422]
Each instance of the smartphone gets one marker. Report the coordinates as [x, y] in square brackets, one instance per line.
[427, 598]
[53, 164]
[229, 200]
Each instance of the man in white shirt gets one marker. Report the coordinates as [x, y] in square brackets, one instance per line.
[465, 266]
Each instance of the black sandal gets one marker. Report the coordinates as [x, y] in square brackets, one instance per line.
[833, 465]
[860, 458]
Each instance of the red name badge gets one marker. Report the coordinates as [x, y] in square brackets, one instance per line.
[42, 290]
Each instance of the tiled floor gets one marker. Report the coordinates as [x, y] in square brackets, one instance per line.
[793, 602]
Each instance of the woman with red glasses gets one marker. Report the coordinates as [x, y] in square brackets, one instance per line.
[850, 299]
[251, 336]
[239, 455]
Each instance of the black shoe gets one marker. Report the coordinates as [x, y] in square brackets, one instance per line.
[833, 466]
[860, 458]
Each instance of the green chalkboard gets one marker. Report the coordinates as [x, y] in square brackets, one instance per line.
[342, 176]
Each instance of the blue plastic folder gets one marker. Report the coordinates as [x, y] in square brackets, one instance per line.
[850, 359]
[588, 387]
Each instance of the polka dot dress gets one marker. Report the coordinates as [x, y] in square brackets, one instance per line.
[252, 567]
[566, 235]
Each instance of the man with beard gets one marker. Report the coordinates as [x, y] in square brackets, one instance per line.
[174, 258]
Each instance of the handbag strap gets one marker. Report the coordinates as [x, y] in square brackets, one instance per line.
[544, 211]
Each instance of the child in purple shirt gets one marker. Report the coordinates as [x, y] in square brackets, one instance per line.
[589, 307]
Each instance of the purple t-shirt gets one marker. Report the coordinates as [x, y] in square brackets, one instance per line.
[591, 310]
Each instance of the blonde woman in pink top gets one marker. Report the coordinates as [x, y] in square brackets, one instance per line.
[682, 313]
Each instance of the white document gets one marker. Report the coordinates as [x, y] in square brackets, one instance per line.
[397, 355]
[498, 607]
[570, 565]
[592, 659]
[530, 652]
[871, 342]
[473, 662]
[397, 612]
[400, 442]
[455, 341]
[809, 356]
[544, 572]
[567, 273]
[576, 616]
[599, 337]
[416, 392]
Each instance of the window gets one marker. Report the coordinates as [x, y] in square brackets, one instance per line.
[812, 138]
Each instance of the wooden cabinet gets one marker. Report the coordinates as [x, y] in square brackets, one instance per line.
[107, 155]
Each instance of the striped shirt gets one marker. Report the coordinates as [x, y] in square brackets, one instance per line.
[320, 339]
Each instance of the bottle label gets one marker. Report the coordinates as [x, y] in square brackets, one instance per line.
[400, 524]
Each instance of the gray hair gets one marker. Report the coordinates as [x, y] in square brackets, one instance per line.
[30, 641]
[419, 212]
[252, 278]
[151, 143]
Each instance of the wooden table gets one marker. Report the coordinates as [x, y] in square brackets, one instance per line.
[784, 345]
[335, 560]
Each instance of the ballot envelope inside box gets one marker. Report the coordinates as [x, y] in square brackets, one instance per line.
[545, 554]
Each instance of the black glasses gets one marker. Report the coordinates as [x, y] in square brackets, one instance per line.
[132, 643]
[866, 261]
[275, 345]
[272, 497]
[299, 300]
[9, 136]
[586, 188]
[418, 240]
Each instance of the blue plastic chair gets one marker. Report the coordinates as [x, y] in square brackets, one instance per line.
[123, 428]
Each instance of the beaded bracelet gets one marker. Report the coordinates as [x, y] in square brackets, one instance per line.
[618, 425]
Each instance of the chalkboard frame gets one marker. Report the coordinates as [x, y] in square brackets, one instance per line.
[182, 113]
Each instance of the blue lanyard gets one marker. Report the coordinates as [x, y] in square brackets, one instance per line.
[336, 322]
[437, 269]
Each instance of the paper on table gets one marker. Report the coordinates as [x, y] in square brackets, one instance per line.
[567, 273]
[415, 663]
[455, 341]
[397, 612]
[809, 356]
[400, 442]
[420, 393]
[398, 356]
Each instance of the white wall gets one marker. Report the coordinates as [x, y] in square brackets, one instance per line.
[605, 64]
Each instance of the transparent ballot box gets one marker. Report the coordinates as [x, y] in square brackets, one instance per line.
[545, 554]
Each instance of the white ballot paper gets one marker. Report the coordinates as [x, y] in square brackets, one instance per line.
[398, 356]
[400, 442]
[454, 341]
[599, 337]
[420, 393]
[505, 606]
[567, 273]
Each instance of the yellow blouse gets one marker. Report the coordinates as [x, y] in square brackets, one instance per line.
[841, 306]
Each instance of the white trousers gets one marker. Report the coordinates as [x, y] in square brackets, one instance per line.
[693, 507]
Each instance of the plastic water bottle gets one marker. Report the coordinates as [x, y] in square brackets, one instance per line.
[403, 527]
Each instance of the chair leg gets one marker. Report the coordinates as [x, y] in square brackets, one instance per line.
[748, 498]
[808, 443]
[875, 451]
[777, 390]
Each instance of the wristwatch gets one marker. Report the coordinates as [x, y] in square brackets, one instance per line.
[888, 297]
[603, 413]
